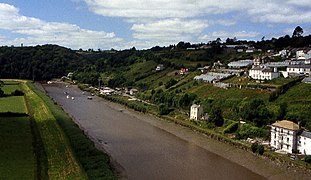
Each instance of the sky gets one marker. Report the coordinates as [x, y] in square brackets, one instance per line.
[123, 24]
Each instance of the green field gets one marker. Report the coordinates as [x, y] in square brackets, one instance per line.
[13, 104]
[17, 160]
[47, 144]
[10, 86]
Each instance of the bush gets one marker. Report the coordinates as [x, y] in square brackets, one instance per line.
[254, 147]
[231, 128]
[308, 158]
[164, 110]
[260, 149]
[17, 93]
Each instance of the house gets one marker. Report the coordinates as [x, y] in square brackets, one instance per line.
[133, 92]
[196, 112]
[263, 73]
[289, 137]
[299, 69]
[284, 136]
[304, 142]
[160, 67]
[241, 63]
[183, 71]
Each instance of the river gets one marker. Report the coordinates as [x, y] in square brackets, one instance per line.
[145, 147]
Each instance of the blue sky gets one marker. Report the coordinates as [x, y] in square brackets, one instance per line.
[122, 24]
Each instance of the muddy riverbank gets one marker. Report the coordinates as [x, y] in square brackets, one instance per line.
[145, 147]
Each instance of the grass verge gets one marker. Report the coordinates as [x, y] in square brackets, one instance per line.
[95, 163]
[61, 161]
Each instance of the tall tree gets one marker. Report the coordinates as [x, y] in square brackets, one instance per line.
[298, 32]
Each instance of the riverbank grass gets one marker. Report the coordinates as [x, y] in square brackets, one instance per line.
[95, 163]
[62, 163]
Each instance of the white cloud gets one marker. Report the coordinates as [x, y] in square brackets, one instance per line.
[168, 31]
[272, 11]
[35, 31]
[223, 35]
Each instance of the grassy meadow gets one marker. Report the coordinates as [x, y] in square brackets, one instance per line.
[17, 160]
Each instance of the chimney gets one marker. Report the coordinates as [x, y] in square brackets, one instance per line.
[299, 124]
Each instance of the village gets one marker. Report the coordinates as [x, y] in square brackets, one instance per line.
[287, 137]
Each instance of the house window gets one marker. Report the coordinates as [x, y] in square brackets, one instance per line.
[274, 142]
[287, 146]
[281, 130]
[274, 136]
[287, 132]
[287, 139]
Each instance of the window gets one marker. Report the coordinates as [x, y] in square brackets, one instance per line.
[274, 136]
[287, 139]
[274, 142]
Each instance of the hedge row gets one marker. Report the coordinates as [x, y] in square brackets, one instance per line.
[132, 105]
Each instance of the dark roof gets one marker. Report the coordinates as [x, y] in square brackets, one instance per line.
[300, 66]
[267, 70]
[306, 134]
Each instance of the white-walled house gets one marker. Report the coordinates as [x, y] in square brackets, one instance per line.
[304, 142]
[196, 112]
[299, 68]
[160, 67]
[290, 138]
[284, 136]
[263, 73]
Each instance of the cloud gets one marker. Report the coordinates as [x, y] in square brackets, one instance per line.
[223, 35]
[272, 11]
[35, 31]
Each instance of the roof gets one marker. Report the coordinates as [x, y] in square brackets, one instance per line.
[300, 66]
[286, 125]
[306, 134]
[195, 106]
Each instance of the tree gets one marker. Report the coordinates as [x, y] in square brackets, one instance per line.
[282, 111]
[163, 109]
[297, 32]
[216, 116]
[1, 93]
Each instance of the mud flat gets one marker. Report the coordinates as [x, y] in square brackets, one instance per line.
[145, 147]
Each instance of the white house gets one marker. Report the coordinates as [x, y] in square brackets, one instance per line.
[133, 92]
[304, 142]
[160, 67]
[299, 68]
[284, 136]
[196, 112]
[263, 73]
[290, 138]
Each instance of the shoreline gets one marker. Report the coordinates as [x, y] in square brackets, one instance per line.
[257, 164]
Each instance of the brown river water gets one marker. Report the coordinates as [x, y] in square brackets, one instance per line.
[145, 147]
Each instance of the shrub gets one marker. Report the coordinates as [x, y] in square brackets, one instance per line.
[260, 149]
[17, 93]
[308, 158]
[231, 128]
[164, 110]
[254, 147]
